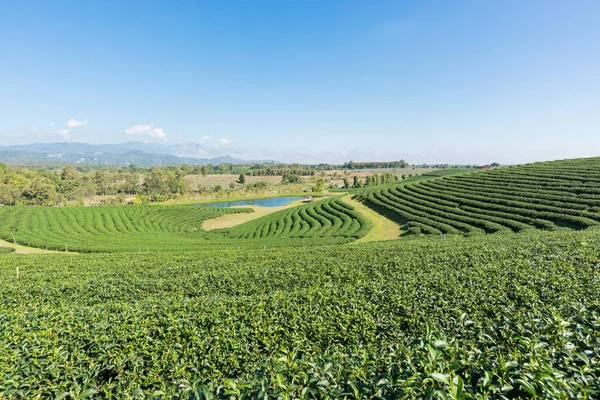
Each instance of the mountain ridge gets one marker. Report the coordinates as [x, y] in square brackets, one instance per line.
[129, 153]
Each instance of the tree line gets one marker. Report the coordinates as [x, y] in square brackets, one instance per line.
[22, 186]
[374, 180]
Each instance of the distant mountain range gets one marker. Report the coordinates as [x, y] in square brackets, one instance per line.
[131, 153]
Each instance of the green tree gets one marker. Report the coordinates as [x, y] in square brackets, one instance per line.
[141, 199]
[8, 194]
[101, 182]
[319, 186]
[68, 172]
[357, 182]
[204, 170]
[172, 183]
[242, 179]
[155, 183]
[289, 177]
[130, 183]
[39, 193]
[346, 183]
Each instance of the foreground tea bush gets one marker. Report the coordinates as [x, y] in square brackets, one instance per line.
[498, 316]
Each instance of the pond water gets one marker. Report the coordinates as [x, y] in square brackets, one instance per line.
[270, 202]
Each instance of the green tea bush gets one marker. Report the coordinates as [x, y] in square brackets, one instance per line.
[493, 316]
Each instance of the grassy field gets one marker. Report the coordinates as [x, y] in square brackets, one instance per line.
[330, 177]
[338, 179]
[224, 180]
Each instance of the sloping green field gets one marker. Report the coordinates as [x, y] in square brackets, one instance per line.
[539, 196]
[322, 218]
[168, 228]
[109, 228]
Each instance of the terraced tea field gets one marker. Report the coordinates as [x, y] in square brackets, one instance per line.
[107, 229]
[322, 218]
[538, 196]
[168, 228]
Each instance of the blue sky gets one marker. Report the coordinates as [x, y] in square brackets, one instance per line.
[426, 81]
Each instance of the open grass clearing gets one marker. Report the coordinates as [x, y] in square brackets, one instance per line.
[24, 249]
[224, 180]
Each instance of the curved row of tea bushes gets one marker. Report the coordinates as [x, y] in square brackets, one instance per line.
[319, 219]
[541, 196]
[108, 228]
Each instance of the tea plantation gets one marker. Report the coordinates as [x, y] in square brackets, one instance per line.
[498, 316]
[536, 196]
[323, 218]
[493, 293]
[152, 228]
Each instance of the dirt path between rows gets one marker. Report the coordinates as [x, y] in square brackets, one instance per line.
[26, 250]
[383, 228]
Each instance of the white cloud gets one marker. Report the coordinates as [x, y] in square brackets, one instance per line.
[66, 133]
[52, 127]
[74, 124]
[139, 129]
[147, 129]
[158, 133]
[222, 142]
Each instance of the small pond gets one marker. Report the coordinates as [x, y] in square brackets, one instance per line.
[270, 202]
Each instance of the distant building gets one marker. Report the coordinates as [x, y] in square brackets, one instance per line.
[484, 167]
